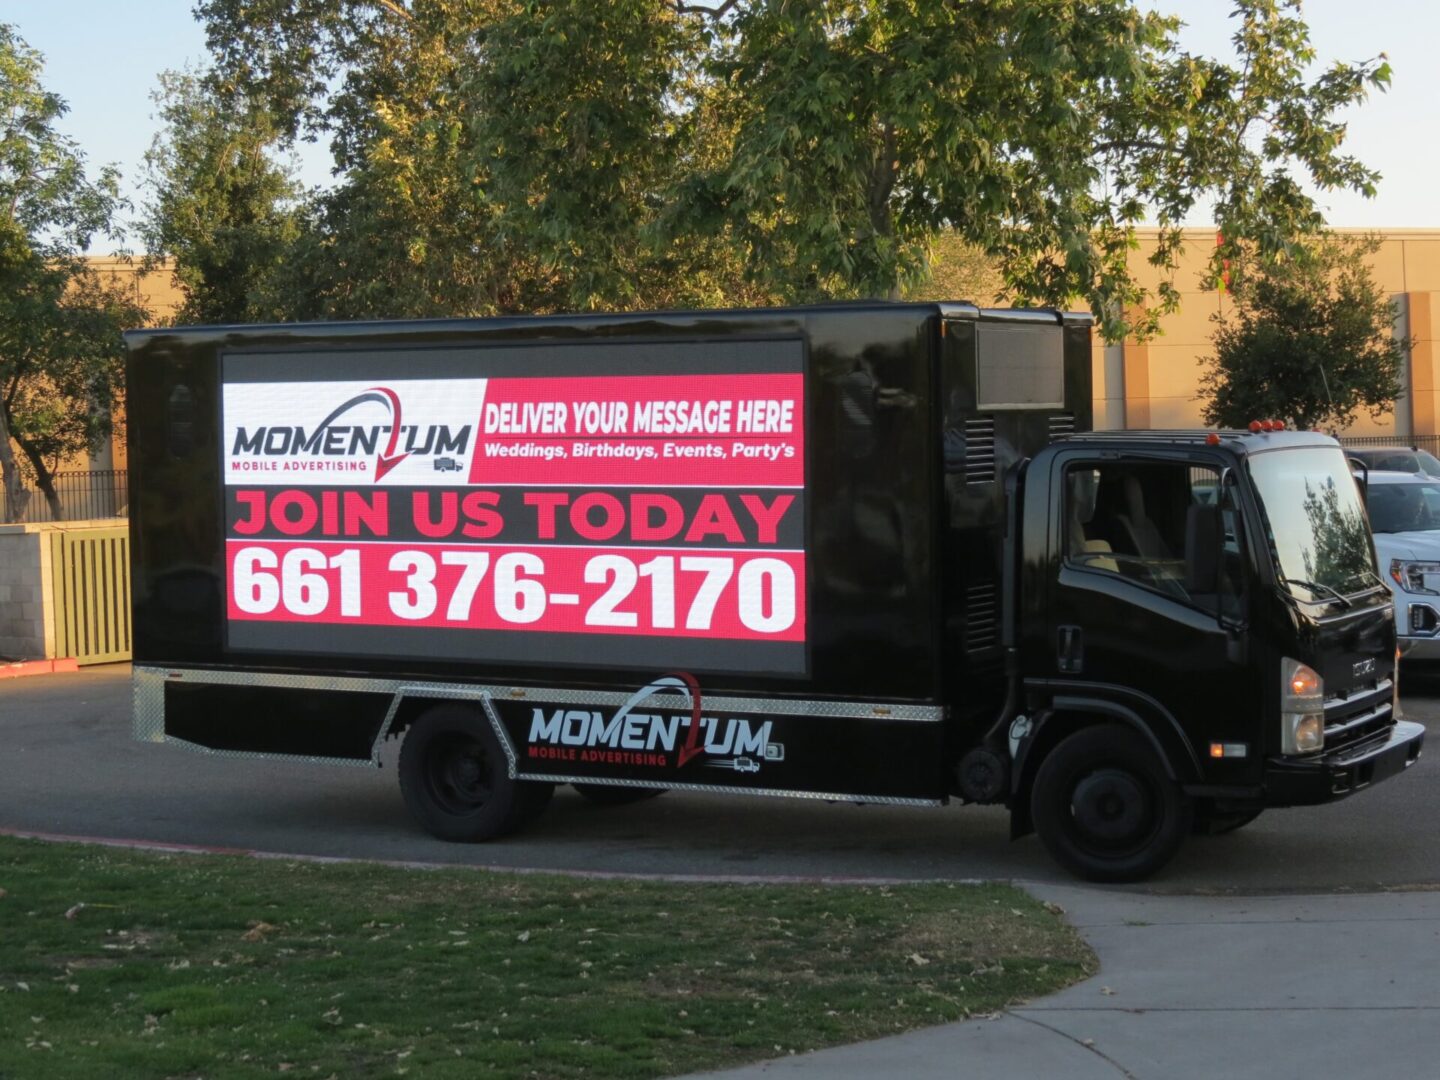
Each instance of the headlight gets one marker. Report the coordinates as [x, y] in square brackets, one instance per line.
[1302, 708]
[1410, 576]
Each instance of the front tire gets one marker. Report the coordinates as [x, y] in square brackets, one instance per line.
[1105, 808]
[1211, 822]
[455, 780]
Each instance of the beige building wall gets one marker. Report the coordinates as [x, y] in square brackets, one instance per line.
[1157, 383]
[158, 294]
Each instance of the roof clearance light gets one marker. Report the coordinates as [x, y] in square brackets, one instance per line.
[1254, 425]
[1212, 439]
[1279, 425]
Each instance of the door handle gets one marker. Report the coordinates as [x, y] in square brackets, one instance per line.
[1070, 650]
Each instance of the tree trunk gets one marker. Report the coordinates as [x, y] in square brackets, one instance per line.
[44, 479]
[16, 497]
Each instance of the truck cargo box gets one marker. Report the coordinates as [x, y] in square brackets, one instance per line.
[793, 512]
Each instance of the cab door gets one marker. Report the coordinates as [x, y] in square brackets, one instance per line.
[1147, 603]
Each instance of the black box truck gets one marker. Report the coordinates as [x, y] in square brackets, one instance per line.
[855, 552]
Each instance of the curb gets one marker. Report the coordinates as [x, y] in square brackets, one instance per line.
[21, 668]
[164, 848]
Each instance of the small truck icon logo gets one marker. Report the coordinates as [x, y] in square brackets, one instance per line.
[446, 464]
[738, 764]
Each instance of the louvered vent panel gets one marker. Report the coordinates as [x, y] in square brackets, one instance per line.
[980, 451]
[982, 618]
[1061, 424]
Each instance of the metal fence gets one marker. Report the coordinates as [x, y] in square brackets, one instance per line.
[84, 494]
[1414, 442]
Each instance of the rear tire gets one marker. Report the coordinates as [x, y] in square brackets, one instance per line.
[1105, 808]
[614, 795]
[456, 782]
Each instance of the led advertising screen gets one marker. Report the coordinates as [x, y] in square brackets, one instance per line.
[635, 505]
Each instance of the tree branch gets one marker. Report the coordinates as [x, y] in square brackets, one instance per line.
[718, 12]
[395, 9]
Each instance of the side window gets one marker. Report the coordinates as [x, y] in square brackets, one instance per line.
[1168, 527]
[1398, 463]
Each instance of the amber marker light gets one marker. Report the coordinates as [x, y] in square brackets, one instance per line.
[1303, 682]
[1217, 750]
[1255, 426]
[1212, 439]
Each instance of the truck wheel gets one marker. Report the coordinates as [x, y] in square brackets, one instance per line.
[454, 778]
[1209, 822]
[1105, 808]
[613, 795]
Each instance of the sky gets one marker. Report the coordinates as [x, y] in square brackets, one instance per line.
[103, 57]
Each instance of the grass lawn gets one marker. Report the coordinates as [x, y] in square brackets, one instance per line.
[132, 964]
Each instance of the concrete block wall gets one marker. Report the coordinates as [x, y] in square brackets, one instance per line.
[27, 622]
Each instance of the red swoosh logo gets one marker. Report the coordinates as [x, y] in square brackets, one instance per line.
[693, 742]
[387, 460]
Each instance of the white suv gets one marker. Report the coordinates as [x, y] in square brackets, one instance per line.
[1405, 518]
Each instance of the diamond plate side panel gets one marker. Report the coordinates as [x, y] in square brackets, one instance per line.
[717, 789]
[148, 703]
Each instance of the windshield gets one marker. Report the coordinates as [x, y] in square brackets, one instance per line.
[1317, 526]
[1398, 508]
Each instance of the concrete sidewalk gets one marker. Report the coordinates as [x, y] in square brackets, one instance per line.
[1273, 987]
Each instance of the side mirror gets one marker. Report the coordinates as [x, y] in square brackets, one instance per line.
[1202, 548]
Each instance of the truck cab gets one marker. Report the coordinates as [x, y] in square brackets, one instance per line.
[1210, 602]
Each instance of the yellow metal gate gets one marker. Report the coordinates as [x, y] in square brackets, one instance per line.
[91, 570]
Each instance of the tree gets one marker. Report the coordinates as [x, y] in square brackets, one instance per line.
[958, 271]
[60, 323]
[509, 155]
[586, 119]
[1042, 133]
[222, 208]
[1310, 340]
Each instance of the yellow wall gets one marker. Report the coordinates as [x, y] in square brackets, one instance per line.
[155, 291]
[1156, 383]
[1137, 385]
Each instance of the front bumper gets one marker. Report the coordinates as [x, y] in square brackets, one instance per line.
[1420, 648]
[1334, 775]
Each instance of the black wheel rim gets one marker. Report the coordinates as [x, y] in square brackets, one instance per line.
[458, 773]
[1113, 812]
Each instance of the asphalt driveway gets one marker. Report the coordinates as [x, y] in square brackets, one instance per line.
[70, 767]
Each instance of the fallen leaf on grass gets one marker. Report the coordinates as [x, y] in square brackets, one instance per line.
[74, 911]
[257, 931]
[523, 936]
[916, 959]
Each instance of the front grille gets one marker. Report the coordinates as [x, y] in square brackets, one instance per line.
[1359, 714]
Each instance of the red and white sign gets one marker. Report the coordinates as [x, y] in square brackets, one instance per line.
[672, 431]
[658, 508]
